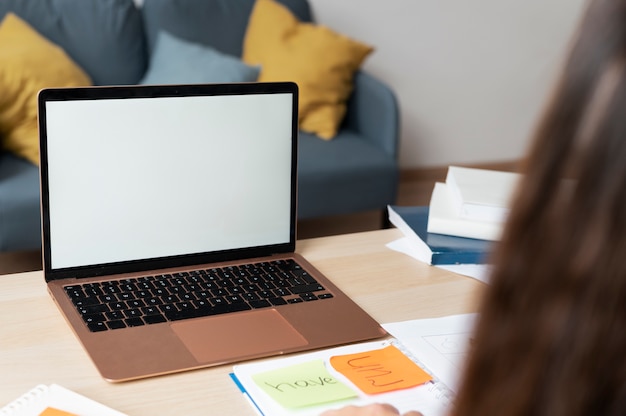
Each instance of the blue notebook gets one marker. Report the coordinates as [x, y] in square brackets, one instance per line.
[437, 248]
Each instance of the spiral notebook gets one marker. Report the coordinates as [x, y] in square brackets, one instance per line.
[307, 384]
[54, 400]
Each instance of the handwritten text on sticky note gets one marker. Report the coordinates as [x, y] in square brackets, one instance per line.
[381, 370]
[302, 385]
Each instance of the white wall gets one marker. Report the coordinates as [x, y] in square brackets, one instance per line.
[471, 77]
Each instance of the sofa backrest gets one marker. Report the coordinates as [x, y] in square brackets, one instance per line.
[220, 24]
[106, 38]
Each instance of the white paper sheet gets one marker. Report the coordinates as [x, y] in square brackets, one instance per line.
[440, 344]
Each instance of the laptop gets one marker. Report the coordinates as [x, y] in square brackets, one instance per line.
[169, 227]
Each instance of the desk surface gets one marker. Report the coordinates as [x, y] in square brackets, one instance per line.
[37, 346]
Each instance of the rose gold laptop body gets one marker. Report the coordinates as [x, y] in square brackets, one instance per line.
[156, 180]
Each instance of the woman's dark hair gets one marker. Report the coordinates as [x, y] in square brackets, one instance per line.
[551, 337]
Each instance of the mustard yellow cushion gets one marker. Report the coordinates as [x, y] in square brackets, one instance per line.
[321, 61]
[28, 63]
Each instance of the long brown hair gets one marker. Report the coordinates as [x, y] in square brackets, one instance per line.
[551, 338]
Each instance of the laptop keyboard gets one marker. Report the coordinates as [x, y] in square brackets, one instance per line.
[171, 297]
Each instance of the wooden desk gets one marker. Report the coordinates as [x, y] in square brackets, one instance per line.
[37, 346]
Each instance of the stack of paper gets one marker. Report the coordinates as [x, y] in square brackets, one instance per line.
[472, 203]
[432, 248]
[465, 218]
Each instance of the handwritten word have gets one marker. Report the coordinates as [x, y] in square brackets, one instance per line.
[300, 384]
[304, 384]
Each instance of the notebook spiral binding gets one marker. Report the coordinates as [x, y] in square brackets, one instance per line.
[437, 387]
[32, 396]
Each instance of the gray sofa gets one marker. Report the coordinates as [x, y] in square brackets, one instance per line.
[112, 39]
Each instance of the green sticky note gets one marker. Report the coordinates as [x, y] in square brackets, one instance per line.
[302, 385]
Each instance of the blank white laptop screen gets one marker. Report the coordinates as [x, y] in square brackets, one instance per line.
[143, 178]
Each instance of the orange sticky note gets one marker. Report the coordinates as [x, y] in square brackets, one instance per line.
[380, 371]
[51, 411]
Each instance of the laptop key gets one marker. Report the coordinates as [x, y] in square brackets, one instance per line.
[167, 308]
[114, 315]
[90, 309]
[304, 276]
[277, 301]
[150, 310]
[282, 291]
[94, 317]
[97, 326]
[250, 297]
[79, 302]
[137, 303]
[234, 299]
[93, 291]
[183, 306]
[306, 288]
[124, 296]
[75, 292]
[154, 319]
[132, 313]
[217, 301]
[261, 303]
[134, 322]
[307, 297]
[154, 301]
[105, 298]
[117, 324]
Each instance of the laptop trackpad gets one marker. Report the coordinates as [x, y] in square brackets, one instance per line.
[228, 337]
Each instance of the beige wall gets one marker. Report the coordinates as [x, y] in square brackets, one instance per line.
[471, 76]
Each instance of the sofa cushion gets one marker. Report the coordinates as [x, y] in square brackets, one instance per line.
[19, 204]
[105, 38]
[28, 63]
[175, 61]
[343, 175]
[321, 61]
[220, 24]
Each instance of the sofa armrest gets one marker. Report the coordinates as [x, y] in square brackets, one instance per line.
[373, 112]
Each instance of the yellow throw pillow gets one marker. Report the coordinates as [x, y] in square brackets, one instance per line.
[28, 63]
[320, 61]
